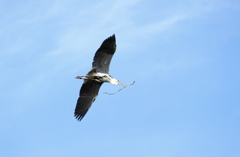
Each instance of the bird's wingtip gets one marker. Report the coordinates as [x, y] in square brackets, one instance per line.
[78, 117]
[110, 39]
[113, 36]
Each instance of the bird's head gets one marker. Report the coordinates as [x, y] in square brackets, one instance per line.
[114, 81]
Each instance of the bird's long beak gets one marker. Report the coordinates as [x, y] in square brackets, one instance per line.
[121, 84]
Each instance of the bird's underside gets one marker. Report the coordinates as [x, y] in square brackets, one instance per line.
[96, 77]
[89, 90]
[100, 77]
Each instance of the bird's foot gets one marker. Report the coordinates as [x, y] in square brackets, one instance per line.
[80, 77]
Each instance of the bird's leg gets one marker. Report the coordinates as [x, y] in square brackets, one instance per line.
[80, 77]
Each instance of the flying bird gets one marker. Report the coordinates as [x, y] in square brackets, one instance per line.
[96, 77]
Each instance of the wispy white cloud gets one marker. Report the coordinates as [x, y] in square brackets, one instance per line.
[72, 36]
[161, 25]
[176, 14]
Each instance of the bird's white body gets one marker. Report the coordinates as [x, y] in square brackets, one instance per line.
[103, 77]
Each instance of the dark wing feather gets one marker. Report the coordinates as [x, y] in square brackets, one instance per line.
[87, 96]
[103, 56]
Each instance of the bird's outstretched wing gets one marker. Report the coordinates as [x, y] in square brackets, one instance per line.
[88, 94]
[103, 56]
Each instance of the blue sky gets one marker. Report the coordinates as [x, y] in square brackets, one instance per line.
[183, 55]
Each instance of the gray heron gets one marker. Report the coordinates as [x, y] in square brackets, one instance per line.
[96, 77]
